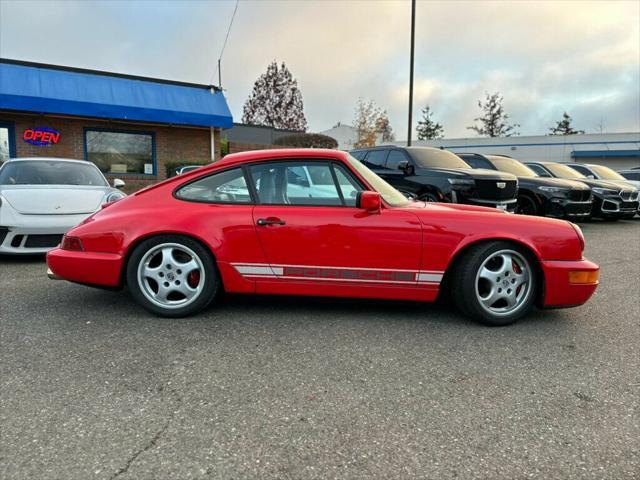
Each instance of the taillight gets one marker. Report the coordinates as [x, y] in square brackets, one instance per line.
[72, 243]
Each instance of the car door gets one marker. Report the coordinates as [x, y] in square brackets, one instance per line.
[318, 237]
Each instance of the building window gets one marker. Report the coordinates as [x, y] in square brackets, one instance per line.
[119, 152]
[7, 147]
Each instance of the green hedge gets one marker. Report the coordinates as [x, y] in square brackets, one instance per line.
[306, 140]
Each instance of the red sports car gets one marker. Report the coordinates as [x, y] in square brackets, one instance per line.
[318, 222]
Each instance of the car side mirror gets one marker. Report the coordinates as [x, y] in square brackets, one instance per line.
[117, 183]
[369, 201]
[405, 166]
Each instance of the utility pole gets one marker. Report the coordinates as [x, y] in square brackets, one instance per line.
[413, 41]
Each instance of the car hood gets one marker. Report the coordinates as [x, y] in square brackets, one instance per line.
[480, 173]
[611, 184]
[552, 182]
[53, 199]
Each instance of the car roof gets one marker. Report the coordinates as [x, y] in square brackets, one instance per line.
[266, 155]
[46, 159]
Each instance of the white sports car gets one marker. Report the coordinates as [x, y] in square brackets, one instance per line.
[42, 198]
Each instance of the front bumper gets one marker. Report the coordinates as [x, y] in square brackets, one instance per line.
[615, 207]
[34, 234]
[559, 291]
[100, 269]
[564, 208]
[506, 205]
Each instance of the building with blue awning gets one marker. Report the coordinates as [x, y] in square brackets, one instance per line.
[131, 127]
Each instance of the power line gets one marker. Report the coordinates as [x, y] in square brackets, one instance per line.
[224, 45]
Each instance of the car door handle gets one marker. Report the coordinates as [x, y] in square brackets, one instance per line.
[262, 222]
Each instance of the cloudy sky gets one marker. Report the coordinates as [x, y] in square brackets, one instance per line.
[545, 57]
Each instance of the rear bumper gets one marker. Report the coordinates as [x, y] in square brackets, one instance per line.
[559, 291]
[101, 269]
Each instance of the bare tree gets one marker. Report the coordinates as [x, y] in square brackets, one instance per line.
[493, 122]
[371, 122]
[275, 101]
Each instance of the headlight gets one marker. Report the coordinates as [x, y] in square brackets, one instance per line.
[554, 189]
[467, 182]
[113, 197]
[604, 191]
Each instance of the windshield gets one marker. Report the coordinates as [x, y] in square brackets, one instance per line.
[606, 173]
[50, 172]
[392, 196]
[562, 171]
[509, 165]
[432, 157]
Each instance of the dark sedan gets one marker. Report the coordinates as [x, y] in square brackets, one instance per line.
[536, 195]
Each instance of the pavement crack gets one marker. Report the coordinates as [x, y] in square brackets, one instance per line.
[149, 445]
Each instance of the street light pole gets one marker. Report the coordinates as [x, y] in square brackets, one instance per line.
[413, 41]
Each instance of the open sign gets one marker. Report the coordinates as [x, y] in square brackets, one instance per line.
[41, 136]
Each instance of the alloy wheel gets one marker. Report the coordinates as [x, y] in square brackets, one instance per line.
[503, 282]
[171, 275]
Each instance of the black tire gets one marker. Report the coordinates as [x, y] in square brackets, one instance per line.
[527, 206]
[428, 197]
[208, 290]
[463, 284]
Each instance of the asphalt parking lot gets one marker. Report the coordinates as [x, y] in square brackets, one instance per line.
[94, 387]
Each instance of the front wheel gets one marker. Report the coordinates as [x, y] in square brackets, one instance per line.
[495, 283]
[172, 276]
[527, 206]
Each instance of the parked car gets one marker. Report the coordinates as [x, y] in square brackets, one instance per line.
[185, 169]
[435, 175]
[632, 176]
[176, 244]
[549, 197]
[42, 198]
[612, 200]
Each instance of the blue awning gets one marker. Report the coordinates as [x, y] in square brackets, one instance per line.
[52, 90]
[604, 153]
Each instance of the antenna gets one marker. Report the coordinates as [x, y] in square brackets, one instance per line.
[233, 16]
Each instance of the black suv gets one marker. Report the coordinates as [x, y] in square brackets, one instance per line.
[550, 197]
[435, 175]
[611, 199]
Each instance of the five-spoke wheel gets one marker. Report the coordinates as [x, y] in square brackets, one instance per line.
[495, 283]
[172, 276]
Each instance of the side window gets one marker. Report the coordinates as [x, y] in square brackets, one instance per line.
[376, 158]
[223, 187]
[539, 170]
[279, 184]
[582, 170]
[358, 154]
[348, 185]
[477, 162]
[631, 175]
[394, 158]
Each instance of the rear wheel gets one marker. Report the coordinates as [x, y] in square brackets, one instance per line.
[172, 276]
[527, 206]
[495, 283]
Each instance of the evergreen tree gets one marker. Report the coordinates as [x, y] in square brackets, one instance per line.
[275, 101]
[428, 129]
[493, 122]
[563, 127]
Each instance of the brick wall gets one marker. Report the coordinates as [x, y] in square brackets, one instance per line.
[173, 143]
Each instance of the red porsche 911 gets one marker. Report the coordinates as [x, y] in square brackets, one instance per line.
[318, 222]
